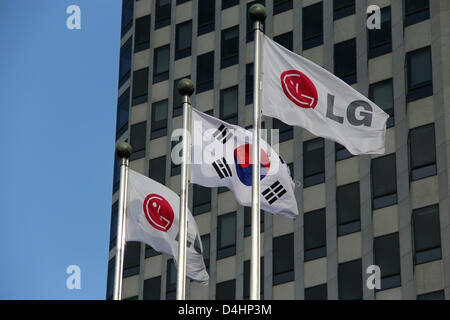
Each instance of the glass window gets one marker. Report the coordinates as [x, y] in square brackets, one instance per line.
[384, 182]
[437, 295]
[248, 221]
[150, 252]
[427, 234]
[182, 1]
[229, 105]
[206, 242]
[249, 75]
[341, 152]
[183, 40]
[131, 258]
[283, 259]
[142, 34]
[125, 62]
[152, 288]
[175, 169]
[387, 257]
[137, 139]
[226, 290]
[163, 11]
[345, 61]
[313, 162]
[247, 265]
[250, 27]
[343, 8]
[381, 93]
[312, 26]
[206, 16]
[350, 280]
[229, 3]
[285, 40]
[171, 280]
[157, 169]
[380, 40]
[422, 152]
[123, 107]
[116, 178]
[420, 77]
[348, 209]
[127, 15]
[285, 131]
[205, 72]
[161, 64]
[159, 119]
[202, 200]
[316, 293]
[110, 280]
[140, 86]
[226, 235]
[113, 226]
[280, 6]
[416, 11]
[229, 47]
[177, 98]
[315, 235]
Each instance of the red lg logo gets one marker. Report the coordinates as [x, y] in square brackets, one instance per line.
[158, 212]
[299, 89]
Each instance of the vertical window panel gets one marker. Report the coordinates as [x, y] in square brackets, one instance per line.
[206, 16]
[348, 209]
[159, 119]
[350, 280]
[384, 182]
[157, 169]
[345, 61]
[183, 40]
[161, 64]
[226, 235]
[140, 86]
[422, 152]
[312, 26]
[382, 94]
[427, 234]
[283, 259]
[313, 162]
[315, 235]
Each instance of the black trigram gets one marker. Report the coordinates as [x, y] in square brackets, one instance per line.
[222, 134]
[274, 192]
[222, 168]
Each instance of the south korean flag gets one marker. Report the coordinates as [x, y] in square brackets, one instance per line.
[221, 157]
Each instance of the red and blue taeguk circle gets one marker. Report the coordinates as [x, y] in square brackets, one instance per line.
[243, 161]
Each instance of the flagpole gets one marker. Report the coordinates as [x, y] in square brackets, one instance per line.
[257, 14]
[123, 151]
[186, 89]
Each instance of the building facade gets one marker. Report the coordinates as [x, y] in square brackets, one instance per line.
[391, 210]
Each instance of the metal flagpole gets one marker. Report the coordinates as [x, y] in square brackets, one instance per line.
[257, 14]
[186, 89]
[123, 151]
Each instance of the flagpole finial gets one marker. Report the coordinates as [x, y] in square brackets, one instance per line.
[186, 87]
[123, 150]
[257, 12]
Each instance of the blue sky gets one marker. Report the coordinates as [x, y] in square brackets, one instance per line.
[57, 112]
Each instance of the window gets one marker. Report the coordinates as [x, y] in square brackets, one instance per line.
[348, 209]
[250, 26]
[384, 182]
[343, 8]
[127, 15]
[380, 40]
[226, 235]
[416, 11]
[142, 34]
[315, 235]
[125, 62]
[249, 77]
[283, 259]
[229, 105]
[420, 77]
[110, 280]
[113, 226]
[229, 3]
[316, 293]
[177, 98]
[152, 288]
[171, 280]
[123, 107]
[206, 18]
[202, 200]
[206, 241]
[247, 266]
[161, 64]
[205, 72]
[387, 257]
[285, 131]
[183, 40]
[313, 26]
[248, 221]
[137, 140]
[313, 162]
[150, 252]
[157, 169]
[281, 6]
[285, 40]
[422, 152]
[159, 119]
[437, 295]
[116, 178]
[175, 169]
[427, 234]
[162, 16]
[350, 280]
[381, 93]
[341, 152]
[226, 290]
[131, 259]
[229, 53]
[345, 61]
[140, 86]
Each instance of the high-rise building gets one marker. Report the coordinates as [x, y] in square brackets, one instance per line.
[390, 210]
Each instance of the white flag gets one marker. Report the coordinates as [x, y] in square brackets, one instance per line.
[301, 93]
[153, 218]
[221, 157]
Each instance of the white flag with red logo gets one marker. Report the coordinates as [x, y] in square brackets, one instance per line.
[153, 218]
[301, 93]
